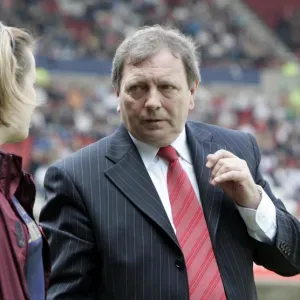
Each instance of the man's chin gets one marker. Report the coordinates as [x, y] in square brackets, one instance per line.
[158, 139]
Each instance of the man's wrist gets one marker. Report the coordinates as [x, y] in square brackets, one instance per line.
[254, 203]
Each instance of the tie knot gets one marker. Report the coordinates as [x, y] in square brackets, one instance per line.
[168, 153]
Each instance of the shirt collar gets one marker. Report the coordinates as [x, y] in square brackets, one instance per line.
[148, 152]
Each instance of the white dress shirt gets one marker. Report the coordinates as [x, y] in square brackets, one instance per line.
[261, 223]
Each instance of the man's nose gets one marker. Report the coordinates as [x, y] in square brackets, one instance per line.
[153, 101]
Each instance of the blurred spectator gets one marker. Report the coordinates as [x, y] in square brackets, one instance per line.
[288, 28]
[94, 29]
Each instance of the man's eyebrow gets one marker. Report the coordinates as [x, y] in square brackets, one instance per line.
[135, 80]
[167, 80]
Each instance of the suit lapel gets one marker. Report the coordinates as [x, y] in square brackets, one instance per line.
[130, 176]
[200, 144]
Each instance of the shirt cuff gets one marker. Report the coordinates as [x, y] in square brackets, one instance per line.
[261, 222]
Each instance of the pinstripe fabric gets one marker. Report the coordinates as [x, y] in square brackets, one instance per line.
[110, 237]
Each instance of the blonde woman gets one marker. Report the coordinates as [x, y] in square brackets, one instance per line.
[24, 253]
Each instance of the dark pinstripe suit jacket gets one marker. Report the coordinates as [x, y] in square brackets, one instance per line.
[111, 238]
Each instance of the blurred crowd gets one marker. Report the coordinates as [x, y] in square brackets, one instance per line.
[288, 28]
[71, 117]
[72, 29]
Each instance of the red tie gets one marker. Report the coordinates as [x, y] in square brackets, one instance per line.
[191, 230]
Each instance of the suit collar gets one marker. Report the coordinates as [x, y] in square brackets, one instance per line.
[120, 144]
[148, 152]
[199, 131]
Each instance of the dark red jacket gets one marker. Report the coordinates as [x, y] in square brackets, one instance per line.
[13, 231]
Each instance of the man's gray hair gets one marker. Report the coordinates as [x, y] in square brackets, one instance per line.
[148, 41]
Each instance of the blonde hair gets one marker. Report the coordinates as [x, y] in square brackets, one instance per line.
[14, 65]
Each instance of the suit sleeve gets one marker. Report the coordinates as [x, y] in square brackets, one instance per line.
[283, 255]
[67, 227]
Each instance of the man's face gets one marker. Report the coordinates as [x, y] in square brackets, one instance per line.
[155, 98]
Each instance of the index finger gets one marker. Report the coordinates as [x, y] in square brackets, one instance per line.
[212, 159]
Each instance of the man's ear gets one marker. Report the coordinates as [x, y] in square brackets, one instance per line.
[117, 92]
[194, 87]
[193, 90]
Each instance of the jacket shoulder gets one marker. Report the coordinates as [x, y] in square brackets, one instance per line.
[218, 132]
[240, 143]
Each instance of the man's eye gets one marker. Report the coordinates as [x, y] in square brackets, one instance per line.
[167, 87]
[137, 90]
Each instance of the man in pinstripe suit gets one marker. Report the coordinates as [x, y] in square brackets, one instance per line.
[164, 208]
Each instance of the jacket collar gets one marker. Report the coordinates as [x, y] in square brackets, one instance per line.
[13, 182]
[10, 173]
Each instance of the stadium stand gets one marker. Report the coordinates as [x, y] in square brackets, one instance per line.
[283, 17]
